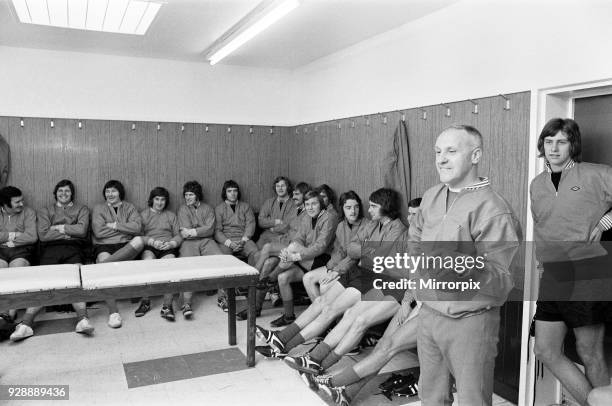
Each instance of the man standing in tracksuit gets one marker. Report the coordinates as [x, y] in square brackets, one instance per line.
[458, 336]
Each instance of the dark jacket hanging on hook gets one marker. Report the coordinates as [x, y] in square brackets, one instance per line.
[396, 165]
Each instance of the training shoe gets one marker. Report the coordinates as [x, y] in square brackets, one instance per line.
[269, 352]
[270, 337]
[222, 303]
[167, 312]
[114, 320]
[21, 331]
[304, 363]
[309, 381]
[84, 327]
[283, 320]
[243, 314]
[396, 380]
[187, 311]
[144, 307]
[337, 394]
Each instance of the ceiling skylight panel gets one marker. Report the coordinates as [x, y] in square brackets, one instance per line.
[132, 16]
[58, 12]
[114, 15]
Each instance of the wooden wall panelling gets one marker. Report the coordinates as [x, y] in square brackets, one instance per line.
[22, 151]
[191, 152]
[168, 160]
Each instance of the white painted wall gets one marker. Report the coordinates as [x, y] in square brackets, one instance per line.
[474, 48]
[42, 83]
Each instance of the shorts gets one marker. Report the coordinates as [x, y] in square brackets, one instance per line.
[110, 248]
[162, 253]
[573, 314]
[9, 254]
[318, 262]
[68, 253]
[363, 280]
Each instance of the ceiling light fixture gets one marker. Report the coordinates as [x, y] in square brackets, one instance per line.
[260, 18]
[118, 16]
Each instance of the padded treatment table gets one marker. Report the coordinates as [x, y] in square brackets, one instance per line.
[60, 284]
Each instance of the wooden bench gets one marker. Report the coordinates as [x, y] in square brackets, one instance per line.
[61, 284]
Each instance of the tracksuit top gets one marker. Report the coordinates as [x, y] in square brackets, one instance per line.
[477, 215]
[317, 240]
[161, 226]
[129, 223]
[24, 222]
[74, 217]
[202, 218]
[570, 213]
[340, 260]
[234, 225]
[375, 235]
[271, 211]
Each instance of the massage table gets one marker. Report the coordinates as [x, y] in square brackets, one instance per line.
[61, 284]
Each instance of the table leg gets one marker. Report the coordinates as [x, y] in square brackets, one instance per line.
[231, 315]
[251, 327]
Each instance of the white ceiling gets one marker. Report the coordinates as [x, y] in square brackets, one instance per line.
[183, 29]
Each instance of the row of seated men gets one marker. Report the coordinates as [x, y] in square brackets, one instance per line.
[457, 339]
[120, 232]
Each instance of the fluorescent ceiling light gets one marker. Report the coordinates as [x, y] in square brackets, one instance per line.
[120, 16]
[263, 16]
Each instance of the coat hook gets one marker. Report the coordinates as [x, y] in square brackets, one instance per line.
[21, 123]
[339, 125]
[352, 124]
[271, 130]
[229, 129]
[297, 130]
[182, 127]
[447, 112]
[52, 123]
[384, 119]
[133, 126]
[507, 102]
[206, 128]
[475, 111]
[403, 116]
[250, 130]
[80, 125]
[158, 126]
[424, 113]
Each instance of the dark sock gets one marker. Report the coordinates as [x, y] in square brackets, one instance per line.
[286, 334]
[320, 351]
[81, 313]
[294, 342]
[28, 319]
[330, 360]
[260, 297]
[347, 376]
[288, 307]
[125, 253]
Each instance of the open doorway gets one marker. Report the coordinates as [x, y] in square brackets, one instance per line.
[590, 104]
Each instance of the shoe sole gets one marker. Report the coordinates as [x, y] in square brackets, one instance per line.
[294, 365]
[188, 315]
[86, 331]
[17, 339]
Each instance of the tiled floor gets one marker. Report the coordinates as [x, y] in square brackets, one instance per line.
[95, 367]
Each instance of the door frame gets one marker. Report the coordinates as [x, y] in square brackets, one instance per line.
[546, 103]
